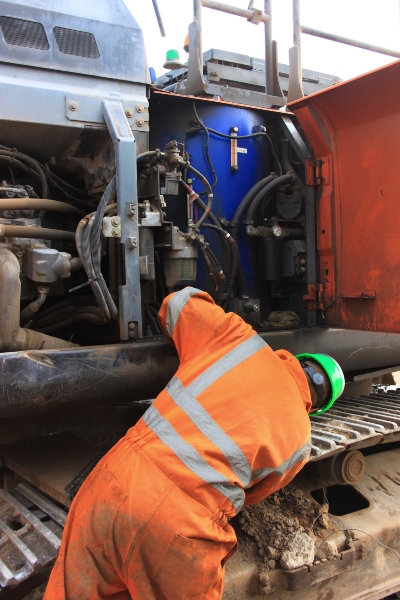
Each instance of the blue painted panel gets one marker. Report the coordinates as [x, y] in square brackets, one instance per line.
[231, 186]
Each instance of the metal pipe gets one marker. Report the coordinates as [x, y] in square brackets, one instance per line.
[235, 10]
[139, 371]
[159, 19]
[269, 64]
[197, 16]
[40, 204]
[12, 336]
[36, 233]
[297, 26]
[350, 42]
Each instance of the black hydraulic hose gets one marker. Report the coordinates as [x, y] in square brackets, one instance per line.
[150, 154]
[36, 233]
[31, 162]
[238, 217]
[284, 147]
[264, 193]
[210, 194]
[207, 147]
[40, 204]
[234, 253]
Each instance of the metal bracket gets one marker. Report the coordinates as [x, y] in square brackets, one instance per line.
[295, 139]
[295, 91]
[317, 172]
[315, 296]
[130, 313]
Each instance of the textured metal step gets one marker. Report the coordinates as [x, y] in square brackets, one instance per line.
[356, 423]
[30, 533]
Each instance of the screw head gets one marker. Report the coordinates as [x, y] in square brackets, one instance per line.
[140, 108]
[235, 168]
[73, 105]
[140, 122]
[129, 113]
[116, 232]
[115, 221]
[131, 325]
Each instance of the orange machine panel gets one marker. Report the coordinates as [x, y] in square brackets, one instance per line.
[354, 131]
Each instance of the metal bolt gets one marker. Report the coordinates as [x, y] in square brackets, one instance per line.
[132, 242]
[115, 221]
[19, 254]
[140, 108]
[235, 168]
[235, 129]
[73, 105]
[140, 122]
[129, 113]
[116, 232]
[131, 325]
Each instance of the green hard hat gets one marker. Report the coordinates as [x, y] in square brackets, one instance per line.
[334, 374]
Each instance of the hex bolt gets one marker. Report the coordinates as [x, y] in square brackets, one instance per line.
[129, 113]
[73, 105]
[140, 122]
[116, 232]
[235, 168]
[115, 221]
[131, 325]
[140, 108]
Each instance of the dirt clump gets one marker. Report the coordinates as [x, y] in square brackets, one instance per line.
[289, 523]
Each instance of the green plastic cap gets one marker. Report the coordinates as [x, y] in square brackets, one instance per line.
[334, 374]
[172, 55]
[172, 60]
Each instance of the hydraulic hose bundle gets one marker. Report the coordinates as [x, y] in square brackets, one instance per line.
[88, 243]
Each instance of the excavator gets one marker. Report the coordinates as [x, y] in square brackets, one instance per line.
[271, 187]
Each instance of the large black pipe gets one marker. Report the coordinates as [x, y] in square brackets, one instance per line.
[40, 380]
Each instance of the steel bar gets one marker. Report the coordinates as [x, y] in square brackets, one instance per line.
[297, 26]
[130, 311]
[333, 37]
[235, 10]
[159, 19]
[269, 64]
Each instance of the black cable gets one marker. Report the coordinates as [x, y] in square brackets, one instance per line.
[264, 193]
[210, 164]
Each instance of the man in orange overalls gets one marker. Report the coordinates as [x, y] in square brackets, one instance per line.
[231, 427]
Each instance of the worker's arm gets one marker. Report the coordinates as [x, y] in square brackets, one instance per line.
[271, 484]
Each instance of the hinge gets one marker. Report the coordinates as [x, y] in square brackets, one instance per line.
[317, 172]
[315, 296]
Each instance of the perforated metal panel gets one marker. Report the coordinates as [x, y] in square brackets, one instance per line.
[77, 43]
[20, 32]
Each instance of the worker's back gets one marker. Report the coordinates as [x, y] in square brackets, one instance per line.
[234, 415]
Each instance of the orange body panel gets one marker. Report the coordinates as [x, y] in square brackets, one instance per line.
[354, 129]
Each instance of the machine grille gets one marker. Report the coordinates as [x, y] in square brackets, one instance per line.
[20, 32]
[77, 43]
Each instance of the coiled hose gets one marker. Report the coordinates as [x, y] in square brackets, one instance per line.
[265, 193]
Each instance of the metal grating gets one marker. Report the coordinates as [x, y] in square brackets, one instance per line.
[30, 533]
[77, 43]
[20, 32]
[356, 423]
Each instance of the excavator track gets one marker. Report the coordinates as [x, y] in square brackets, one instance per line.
[355, 423]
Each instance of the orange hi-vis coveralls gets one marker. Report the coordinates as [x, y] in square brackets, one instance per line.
[231, 427]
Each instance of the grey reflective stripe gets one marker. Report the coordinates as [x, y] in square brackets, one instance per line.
[298, 456]
[226, 363]
[208, 427]
[176, 305]
[191, 458]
